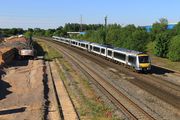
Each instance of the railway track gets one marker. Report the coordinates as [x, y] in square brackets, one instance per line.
[156, 86]
[126, 105]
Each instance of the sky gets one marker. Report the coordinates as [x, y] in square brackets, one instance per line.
[54, 13]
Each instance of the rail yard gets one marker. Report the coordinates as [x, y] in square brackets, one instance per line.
[75, 84]
[89, 60]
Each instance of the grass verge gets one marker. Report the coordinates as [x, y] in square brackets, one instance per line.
[47, 51]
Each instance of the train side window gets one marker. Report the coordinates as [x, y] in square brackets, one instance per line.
[132, 59]
[102, 50]
[120, 56]
[96, 49]
[82, 45]
[109, 53]
[87, 46]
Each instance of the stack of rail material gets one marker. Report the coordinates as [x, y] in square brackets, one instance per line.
[15, 45]
[9, 47]
[7, 54]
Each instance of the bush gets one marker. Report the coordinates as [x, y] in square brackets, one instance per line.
[162, 44]
[174, 49]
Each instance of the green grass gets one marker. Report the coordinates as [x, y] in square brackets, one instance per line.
[52, 54]
[49, 52]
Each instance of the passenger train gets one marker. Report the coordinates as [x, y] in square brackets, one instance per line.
[139, 61]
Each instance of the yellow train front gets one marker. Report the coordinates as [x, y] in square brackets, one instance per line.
[143, 62]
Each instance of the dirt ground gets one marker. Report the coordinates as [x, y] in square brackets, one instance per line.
[22, 91]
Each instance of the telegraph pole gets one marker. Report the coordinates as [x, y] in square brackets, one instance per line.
[81, 24]
[105, 20]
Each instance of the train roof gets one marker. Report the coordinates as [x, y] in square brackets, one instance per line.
[73, 40]
[101, 45]
[97, 44]
[128, 51]
[84, 41]
[106, 45]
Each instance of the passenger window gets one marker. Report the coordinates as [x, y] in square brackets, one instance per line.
[132, 59]
[109, 53]
[96, 49]
[103, 51]
[120, 56]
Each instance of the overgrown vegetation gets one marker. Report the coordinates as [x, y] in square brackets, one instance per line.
[174, 49]
[48, 52]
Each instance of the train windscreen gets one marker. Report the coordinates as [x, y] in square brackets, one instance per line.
[143, 59]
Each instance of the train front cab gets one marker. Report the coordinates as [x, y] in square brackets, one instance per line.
[143, 62]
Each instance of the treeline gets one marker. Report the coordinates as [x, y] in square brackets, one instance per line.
[130, 37]
[76, 27]
[62, 31]
[162, 41]
[10, 32]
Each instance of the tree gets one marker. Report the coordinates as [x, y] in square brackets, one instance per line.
[139, 40]
[100, 36]
[158, 28]
[161, 44]
[38, 32]
[126, 36]
[174, 49]
[60, 32]
[49, 32]
[28, 34]
[113, 36]
[176, 29]
[163, 21]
